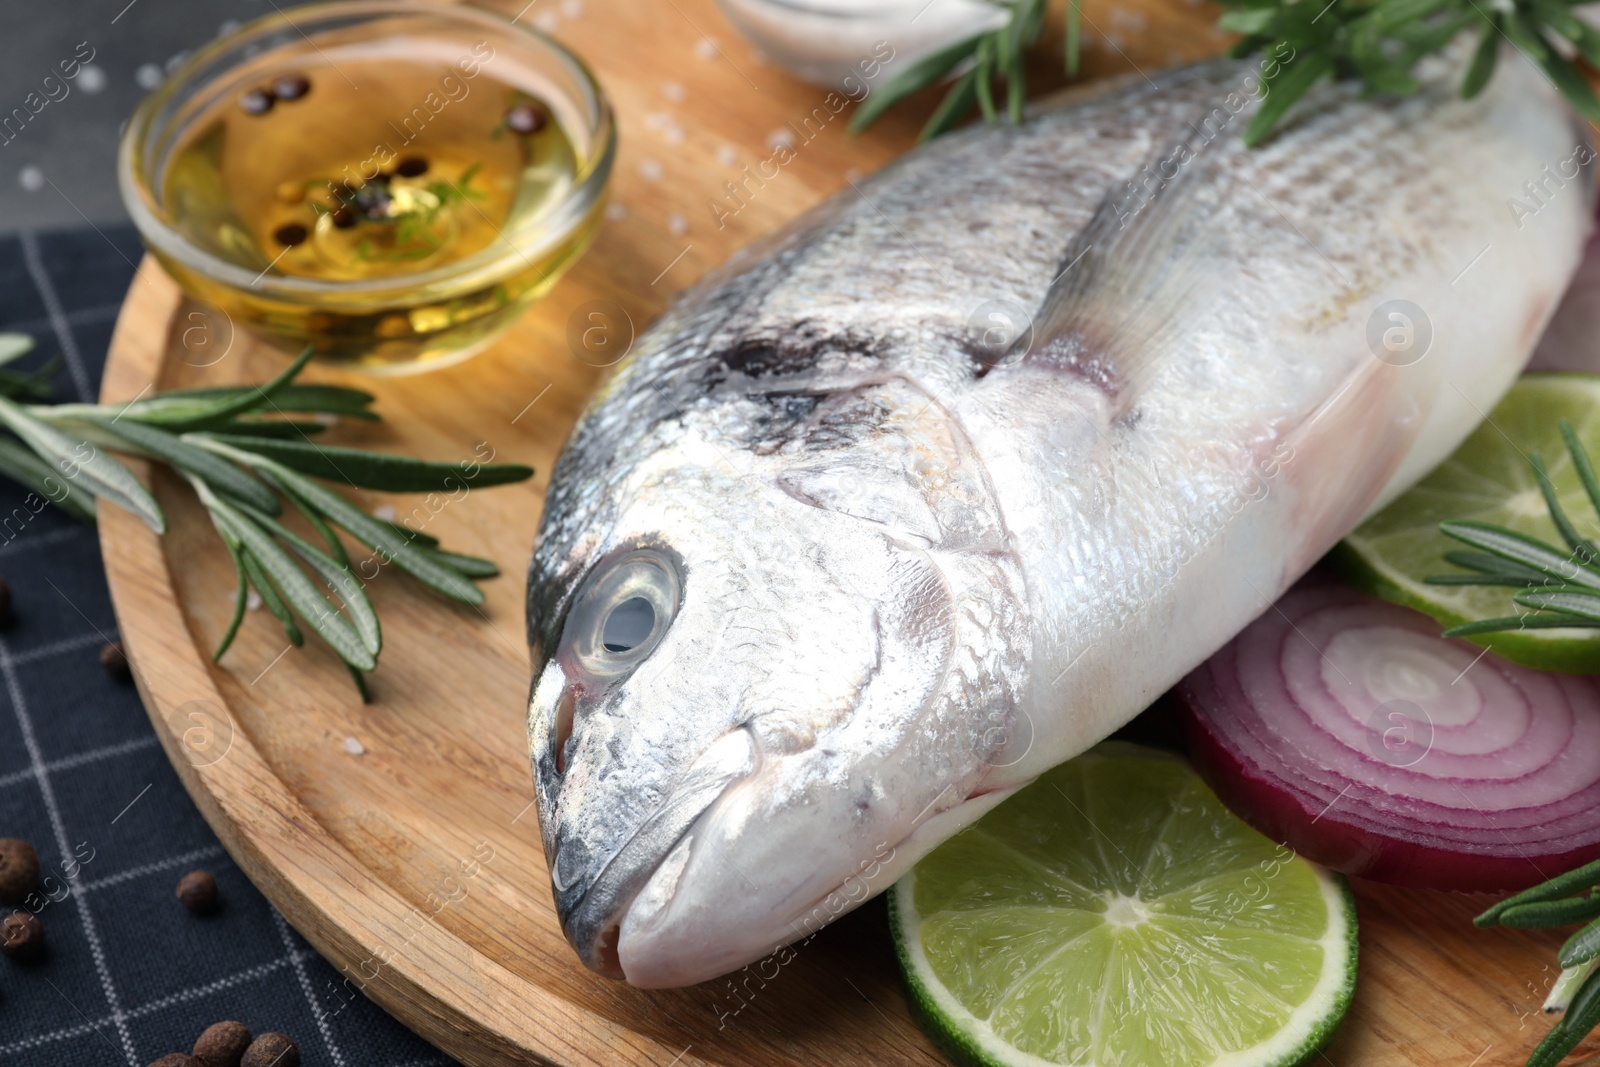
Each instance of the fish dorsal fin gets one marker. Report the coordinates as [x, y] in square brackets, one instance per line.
[1129, 277]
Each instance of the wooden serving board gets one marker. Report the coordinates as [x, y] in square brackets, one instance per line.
[399, 837]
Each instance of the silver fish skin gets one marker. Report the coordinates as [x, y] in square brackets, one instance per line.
[829, 568]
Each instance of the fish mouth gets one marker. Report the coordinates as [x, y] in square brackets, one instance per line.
[591, 922]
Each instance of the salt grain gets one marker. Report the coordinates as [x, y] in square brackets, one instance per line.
[674, 92]
[727, 156]
[91, 79]
[614, 212]
[572, 8]
[706, 48]
[678, 225]
[31, 178]
[148, 76]
[650, 170]
[385, 512]
[353, 746]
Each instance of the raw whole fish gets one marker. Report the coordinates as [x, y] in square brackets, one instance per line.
[953, 476]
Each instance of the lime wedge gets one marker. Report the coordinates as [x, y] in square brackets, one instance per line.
[1489, 478]
[1115, 914]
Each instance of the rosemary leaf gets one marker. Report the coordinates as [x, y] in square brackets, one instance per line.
[191, 407]
[956, 103]
[23, 466]
[302, 597]
[270, 597]
[1519, 548]
[102, 475]
[1531, 621]
[1543, 914]
[375, 470]
[291, 429]
[373, 533]
[1482, 66]
[1579, 880]
[14, 346]
[1581, 464]
[919, 75]
[1584, 605]
[179, 412]
[1558, 515]
[221, 475]
[470, 566]
[337, 575]
[240, 596]
[1581, 947]
[1573, 85]
[1294, 81]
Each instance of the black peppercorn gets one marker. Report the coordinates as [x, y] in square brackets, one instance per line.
[5, 602]
[291, 86]
[271, 1050]
[114, 662]
[197, 891]
[411, 167]
[525, 118]
[343, 217]
[19, 869]
[256, 102]
[177, 1059]
[222, 1044]
[21, 936]
[289, 234]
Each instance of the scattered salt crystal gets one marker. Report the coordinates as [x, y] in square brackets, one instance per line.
[727, 156]
[616, 211]
[228, 26]
[352, 746]
[174, 62]
[674, 92]
[677, 224]
[547, 22]
[650, 170]
[31, 178]
[705, 48]
[780, 138]
[253, 601]
[572, 8]
[854, 174]
[148, 76]
[326, 418]
[91, 79]
[385, 512]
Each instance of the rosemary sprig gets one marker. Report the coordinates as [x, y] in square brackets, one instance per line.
[1562, 901]
[244, 465]
[1559, 585]
[1378, 42]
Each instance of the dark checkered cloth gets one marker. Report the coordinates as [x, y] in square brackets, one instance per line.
[128, 974]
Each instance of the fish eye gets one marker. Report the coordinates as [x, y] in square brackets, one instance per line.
[623, 611]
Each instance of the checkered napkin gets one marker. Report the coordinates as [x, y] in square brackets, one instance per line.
[128, 974]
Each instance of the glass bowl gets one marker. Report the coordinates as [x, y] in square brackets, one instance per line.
[844, 44]
[398, 254]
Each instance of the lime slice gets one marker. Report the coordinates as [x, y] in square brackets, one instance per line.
[1115, 914]
[1489, 478]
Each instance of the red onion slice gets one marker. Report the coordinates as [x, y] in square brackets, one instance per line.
[1347, 728]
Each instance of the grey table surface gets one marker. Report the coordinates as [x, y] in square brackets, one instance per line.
[59, 167]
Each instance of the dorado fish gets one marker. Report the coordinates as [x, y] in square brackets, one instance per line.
[956, 474]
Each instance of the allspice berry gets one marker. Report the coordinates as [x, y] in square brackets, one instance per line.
[19, 869]
[271, 1050]
[21, 936]
[197, 891]
[177, 1059]
[114, 662]
[222, 1044]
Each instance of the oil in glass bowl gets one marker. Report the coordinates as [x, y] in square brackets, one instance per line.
[392, 203]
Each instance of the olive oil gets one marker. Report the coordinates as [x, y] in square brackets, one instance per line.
[393, 208]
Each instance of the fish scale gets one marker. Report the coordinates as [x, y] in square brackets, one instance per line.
[893, 571]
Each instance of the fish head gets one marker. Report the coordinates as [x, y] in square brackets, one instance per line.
[747, 699]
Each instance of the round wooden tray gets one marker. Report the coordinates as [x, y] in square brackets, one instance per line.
[399, 837]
